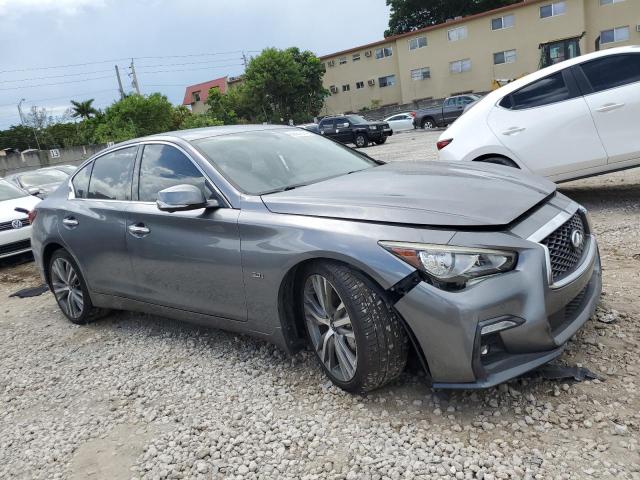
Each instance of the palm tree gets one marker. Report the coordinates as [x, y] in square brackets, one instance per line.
[84, 109]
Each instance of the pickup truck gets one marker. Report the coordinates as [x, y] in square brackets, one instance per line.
[354, 129]
[444, 114]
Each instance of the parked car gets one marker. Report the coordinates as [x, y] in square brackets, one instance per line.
[68, 169]
[15, 229]
[39, 182]
[401, 121]
[442, 115]
[574, 119]
[312, 127]
[279, 233]
[355, 129]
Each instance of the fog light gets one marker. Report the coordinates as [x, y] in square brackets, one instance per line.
[498, 327]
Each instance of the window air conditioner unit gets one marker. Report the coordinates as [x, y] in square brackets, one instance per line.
[333, 89]
[371, 82]
[368, 52]
[331, 63]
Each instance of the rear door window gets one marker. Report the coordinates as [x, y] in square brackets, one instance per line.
[164, 166]
[326, 124]
[611, 72]
[80, 181]
[112, 174]
[548, 90]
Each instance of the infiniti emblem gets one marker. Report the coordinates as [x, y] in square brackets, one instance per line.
[577, 239]
[16, 224]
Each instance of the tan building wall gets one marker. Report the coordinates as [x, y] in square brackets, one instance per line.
[528, 32]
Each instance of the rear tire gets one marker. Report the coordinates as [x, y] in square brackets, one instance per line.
[500, 161]
[361, 140]
[428, 124]
[70, 290]
[358, 340]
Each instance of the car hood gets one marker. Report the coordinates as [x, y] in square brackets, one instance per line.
[47, 189]
[7, 207]
[425, 193]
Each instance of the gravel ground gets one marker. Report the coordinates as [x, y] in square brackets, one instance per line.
[136, 396]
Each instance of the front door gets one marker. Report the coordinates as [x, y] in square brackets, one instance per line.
[93, 225]
[327, 128]
[451, 110]
[549, 115]
[185, 260]
[615, 103]
[343, 130]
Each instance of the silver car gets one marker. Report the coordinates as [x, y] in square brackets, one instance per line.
[481, 271]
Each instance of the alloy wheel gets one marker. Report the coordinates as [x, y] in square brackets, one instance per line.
[65, 283]
[360, 141]
[330, 328]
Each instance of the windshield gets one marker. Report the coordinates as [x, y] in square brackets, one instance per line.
[267, 161]
[356, 119]
[42, 177]
[9, 192]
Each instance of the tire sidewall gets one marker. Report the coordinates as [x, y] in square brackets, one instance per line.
[363, 136]
[86, 299]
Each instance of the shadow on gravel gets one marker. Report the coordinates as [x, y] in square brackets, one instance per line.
[604, 196]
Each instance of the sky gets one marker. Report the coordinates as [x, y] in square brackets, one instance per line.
[174, 43]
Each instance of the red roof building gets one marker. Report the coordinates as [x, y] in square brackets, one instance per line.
[196, 95]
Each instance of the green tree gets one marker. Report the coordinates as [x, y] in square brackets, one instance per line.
[222, 106]
[410, 15]
[83, 109]
[136, 116]
[199, 120]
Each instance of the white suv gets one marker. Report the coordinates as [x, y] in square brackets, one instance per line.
[574, 119]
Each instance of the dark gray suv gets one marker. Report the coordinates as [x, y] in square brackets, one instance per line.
[483, 271]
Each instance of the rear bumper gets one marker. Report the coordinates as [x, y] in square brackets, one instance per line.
[447, 325]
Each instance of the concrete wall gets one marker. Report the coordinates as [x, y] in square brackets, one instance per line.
[525, 36]
[20, 162]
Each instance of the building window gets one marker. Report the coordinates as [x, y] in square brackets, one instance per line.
[508, 56]
[417, 42]
[420, 73]
[388, 81]
[355, 57]
[195, 96]
[460, 66]
[619, 34]
[553, 9]
[331, 63]
[383, 52]
[610, 2]
[500, 23]
[346, 88]
[343, 60]
[456, 34]
[359, 85]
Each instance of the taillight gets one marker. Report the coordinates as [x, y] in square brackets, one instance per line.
[443, 143]
[413, 114]
[32, 216]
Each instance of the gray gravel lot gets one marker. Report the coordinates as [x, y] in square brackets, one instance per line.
[136, 396]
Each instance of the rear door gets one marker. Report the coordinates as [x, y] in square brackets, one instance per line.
[185, 260]
[344, 131]
[327, 127]
[548, 126]
[450, 110]
[614, 100]
[93, 224]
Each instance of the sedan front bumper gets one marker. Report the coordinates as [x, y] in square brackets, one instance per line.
[447, 325]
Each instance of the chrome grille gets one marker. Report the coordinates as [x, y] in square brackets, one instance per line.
[8, 226]
[563, 255]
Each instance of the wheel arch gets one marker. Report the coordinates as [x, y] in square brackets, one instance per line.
[486, 156]
[47, 253]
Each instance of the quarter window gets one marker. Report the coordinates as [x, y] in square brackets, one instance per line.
[460, 66]
[420, 73]
[418, 42]
[551, 89]
[384, 52]
[111, 175]
[508, 56]
[456, 34]
[619, 34]
[553, 9]
[163, 166]
[387, 81]
[611, 72]
[80, 181]
[499, 23]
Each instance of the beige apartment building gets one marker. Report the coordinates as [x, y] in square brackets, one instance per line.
[468, 54]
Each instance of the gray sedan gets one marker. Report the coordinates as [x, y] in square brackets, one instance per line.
[481, 271]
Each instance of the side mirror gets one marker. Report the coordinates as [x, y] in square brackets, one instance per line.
[180, 198]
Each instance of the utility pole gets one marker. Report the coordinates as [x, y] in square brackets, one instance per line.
[119, 82]
[134, 79]
[244, 60]
[22, 122]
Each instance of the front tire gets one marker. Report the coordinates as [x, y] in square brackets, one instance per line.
[358, 340]
[70, 290]
[361, 140]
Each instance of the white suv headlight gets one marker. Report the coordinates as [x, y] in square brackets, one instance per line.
[450, 264]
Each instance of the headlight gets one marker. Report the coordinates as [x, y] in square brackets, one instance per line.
[450, 264]
[372, 127]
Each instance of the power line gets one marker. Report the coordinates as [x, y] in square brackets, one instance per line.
[57, 83]
[54, 76]
[192, 69]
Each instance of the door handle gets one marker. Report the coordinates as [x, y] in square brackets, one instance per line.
[607, 107]
[513, 130]
[138, 230]
[70, 222]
